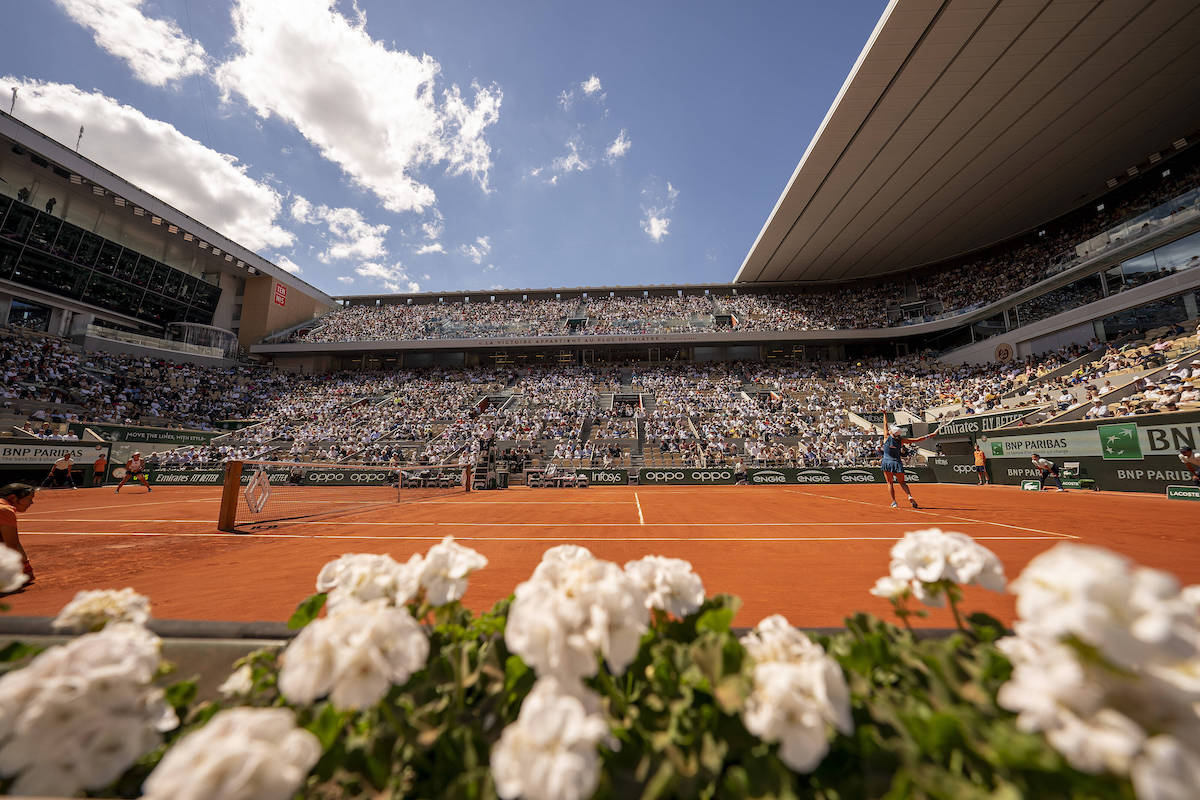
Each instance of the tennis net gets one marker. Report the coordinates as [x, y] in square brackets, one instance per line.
[259, 493]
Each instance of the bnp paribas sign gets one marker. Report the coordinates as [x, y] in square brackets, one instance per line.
[1116, 441]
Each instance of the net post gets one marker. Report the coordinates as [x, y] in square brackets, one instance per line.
[227, 521]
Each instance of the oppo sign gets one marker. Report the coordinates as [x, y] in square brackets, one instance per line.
[686, 476]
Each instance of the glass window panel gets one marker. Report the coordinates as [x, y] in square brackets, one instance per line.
[67, 242]
[106, 262]
[116, 295]
[126, 265]
[1114, 280]
[206, 296]
[44, 271]
[89, 248]
[152, 308]
[1179, 255]
[5, 203]
[158, 281]
[144, 271]
[1139, 269]
[44, 231]
[18, 222]
[9, 251]
[174, 279]
[187, 288]
[197, 314]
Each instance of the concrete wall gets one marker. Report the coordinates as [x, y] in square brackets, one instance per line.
[261, 314]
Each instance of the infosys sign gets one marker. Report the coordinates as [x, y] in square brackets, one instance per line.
[605, 477]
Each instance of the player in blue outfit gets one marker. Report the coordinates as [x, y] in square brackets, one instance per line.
[893, 467]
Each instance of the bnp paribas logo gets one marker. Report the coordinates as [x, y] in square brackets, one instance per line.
[1120, 442]
[997, 449]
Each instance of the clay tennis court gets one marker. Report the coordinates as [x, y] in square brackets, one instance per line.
[808, 552]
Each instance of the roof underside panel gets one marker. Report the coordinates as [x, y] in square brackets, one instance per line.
[970, 121]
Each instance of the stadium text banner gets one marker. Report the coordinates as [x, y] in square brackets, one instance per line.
[309, 477]
[977, 424]
[1109, 440]
[46, 454]
[127, 433]
[280, 294]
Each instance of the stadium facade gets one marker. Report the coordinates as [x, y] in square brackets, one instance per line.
[965, 136]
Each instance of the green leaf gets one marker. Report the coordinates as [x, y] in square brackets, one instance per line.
[719, 617]
[327, 725]
[307, 611]
[181, 695]
[986, 627]
[15, 651]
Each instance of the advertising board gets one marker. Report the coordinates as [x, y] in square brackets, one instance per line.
[793, 476]
[141, 435]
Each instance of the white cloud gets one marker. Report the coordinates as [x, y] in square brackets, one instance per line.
[657, 205]
[393, 278]
[566, 98]
[156, 50]
[351, 235]
[618, 148]
[426, 249]
[433, 228]
[477, 250]
[425, 277]
[592, 86]
[209, 186]
[287, 265]
[345, 278]
[373, 111]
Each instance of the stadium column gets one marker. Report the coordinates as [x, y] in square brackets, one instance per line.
[227, 520]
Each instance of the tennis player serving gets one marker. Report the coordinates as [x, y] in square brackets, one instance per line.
[893, 467]
[135, 468]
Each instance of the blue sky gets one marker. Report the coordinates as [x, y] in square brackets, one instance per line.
[448, 145]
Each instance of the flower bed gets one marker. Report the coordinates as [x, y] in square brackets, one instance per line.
[596, 680]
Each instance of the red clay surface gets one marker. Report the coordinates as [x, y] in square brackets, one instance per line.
[808, 552]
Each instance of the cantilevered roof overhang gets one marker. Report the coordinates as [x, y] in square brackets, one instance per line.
[966, 122]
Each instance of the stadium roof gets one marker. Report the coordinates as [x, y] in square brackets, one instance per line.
[966, 122]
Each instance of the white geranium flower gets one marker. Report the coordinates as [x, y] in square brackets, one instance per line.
[241, 754]
[669, 584]
[1165, 770]
[81, 713]
[1105, 655]
[353, 654]
[549, 753]
[798, 692]
[445, 569]
[12, 575]
[238, 684]
[92, 610]
[363, 577]
[929, 556]
[573, 607]
[890, 588]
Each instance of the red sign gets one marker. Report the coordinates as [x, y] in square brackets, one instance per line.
[280, 294]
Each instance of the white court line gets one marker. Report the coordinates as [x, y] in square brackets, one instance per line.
[641, 519]
[565, 538]
[524, 502]
[936, 514]
[209, 500]
[436, 524]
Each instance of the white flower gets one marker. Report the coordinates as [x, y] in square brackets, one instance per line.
[363, 577]
[92, 610]
[12, 575]
[1134, 616]
[353, 654]
[1165, 770]
[241, 754]
[669, 584]
[549, 753]
[573, 607]
[1106, 663]
[932, 555]
[889, 587]
[445, 569]
[798, 692]
[238, 684]
[80, 714]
